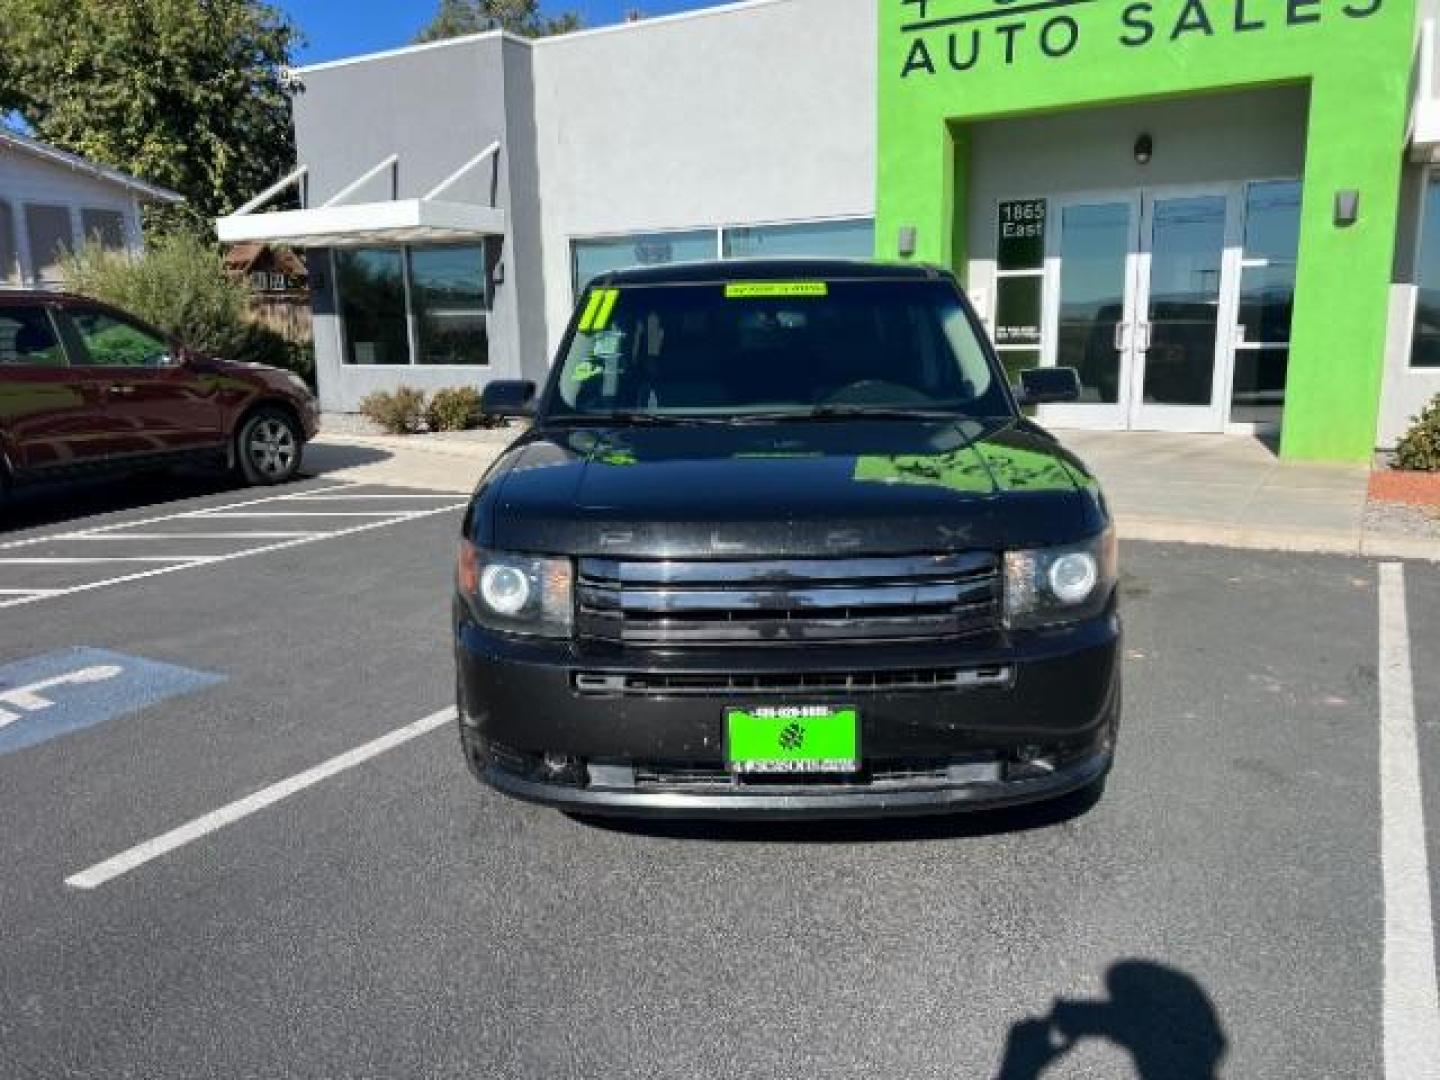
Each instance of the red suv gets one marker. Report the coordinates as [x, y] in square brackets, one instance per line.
[84, 387]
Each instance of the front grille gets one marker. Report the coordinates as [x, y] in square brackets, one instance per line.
[805, 601]
[911, 681]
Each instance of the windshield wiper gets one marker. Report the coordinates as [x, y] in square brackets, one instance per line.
[850, 412]
[647, 419]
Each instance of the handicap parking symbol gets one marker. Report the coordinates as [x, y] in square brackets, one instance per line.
[60, 692]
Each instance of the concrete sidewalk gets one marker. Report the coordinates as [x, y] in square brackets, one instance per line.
[1228, 491]
[1234, 492]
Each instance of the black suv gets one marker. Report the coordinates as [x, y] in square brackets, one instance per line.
[781, 542]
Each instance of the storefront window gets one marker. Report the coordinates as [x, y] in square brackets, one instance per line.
[447, 291]
[817, 239]
[1267, 298]
[372, 304]
[1019, 284]
[595, 257]
[441, 291]
[1425, 346]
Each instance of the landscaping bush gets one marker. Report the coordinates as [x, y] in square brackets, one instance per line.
[1419, 449]
[454, 409]
[179, 285]
[399, 412]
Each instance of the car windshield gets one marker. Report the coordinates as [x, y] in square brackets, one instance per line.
[775, 348]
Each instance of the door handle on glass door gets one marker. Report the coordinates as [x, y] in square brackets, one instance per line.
[1121, 331]
[1142, 334]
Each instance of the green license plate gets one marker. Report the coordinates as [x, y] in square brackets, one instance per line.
[793, 739]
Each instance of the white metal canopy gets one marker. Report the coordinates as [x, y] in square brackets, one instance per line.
[1425, 111]
[426, 220]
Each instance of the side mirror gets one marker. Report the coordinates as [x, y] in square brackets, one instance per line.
[508, 397]
[1049, 385]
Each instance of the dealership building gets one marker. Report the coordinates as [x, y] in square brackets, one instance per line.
[1222, 212]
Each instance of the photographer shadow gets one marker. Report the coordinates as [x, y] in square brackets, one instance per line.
[1162, 1017]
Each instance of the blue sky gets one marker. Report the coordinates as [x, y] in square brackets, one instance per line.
[336, 28]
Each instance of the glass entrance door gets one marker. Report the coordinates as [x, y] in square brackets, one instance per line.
[1183, 288]
[1091, 263]
[1139, 287]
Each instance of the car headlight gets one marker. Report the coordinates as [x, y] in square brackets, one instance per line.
[520, 594]
[1044, 586]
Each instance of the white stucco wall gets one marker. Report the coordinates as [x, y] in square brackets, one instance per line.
[25, 178]
[753, 113]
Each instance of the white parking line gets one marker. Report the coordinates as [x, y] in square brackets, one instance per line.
[85, 560]
[212, 514]
[195, 536]
[191, 831]
[1411, 1005]
[167, 564]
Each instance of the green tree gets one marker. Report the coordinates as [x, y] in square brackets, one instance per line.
[185, 93]
[456, 17]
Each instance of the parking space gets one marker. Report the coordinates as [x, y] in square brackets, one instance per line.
[41, 567]
[1221, 912]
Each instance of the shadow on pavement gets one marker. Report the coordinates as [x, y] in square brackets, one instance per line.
[859, 831]
[32, 505]
[323, 458]
[1160, 1016]
[29, 506]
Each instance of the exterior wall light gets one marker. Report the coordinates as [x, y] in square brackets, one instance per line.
[1347, 207]
[1144, 149]
[906, 241]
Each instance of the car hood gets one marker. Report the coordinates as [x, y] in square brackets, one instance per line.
[815, 488]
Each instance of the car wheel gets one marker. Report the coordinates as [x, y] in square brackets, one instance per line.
[268, 447]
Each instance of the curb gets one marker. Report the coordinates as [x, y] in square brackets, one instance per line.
[1349, 542]
[420, 444]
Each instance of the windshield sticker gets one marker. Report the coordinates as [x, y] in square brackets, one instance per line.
[607, 345]
[760, 290]
[598, 310]
[585, 371]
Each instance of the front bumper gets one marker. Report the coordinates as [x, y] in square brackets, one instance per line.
[1043, 730]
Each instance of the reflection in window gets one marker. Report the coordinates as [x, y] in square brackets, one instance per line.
[594, 257]
[817, 239]
[372, 305]
[111, 342]
[1267, 300]
[1425, 347]
[48, 230]
[1096, 240]
[447, 292]
[26, 337]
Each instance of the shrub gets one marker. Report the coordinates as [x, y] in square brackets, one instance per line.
[1420, 447]
[454, 409]
[178, 283]
[399, 412]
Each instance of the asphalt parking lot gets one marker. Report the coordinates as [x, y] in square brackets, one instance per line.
[1233, 907]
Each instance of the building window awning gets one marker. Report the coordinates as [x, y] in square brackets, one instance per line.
[1425, 111]
[402, 221]
[339, 224]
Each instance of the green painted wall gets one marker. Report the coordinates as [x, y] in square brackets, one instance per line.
[1032, 55]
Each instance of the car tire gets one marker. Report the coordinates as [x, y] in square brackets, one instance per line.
[268, 447]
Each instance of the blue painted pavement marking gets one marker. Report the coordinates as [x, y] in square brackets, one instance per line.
[51, 695]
